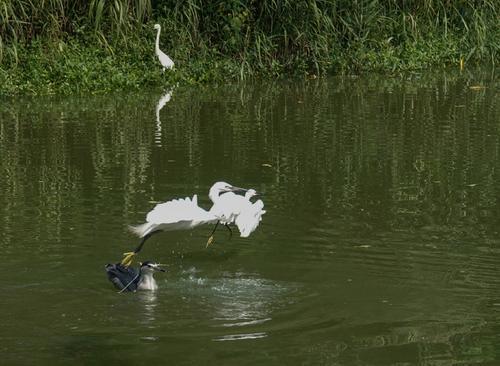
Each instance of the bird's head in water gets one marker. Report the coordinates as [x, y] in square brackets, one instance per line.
[151, 267]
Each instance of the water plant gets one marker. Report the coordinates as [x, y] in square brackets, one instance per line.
[46, 45]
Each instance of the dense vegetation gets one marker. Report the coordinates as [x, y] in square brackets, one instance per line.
[51, 46]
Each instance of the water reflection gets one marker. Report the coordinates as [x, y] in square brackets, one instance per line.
[382, 196]
[164, 99]
[240, 337]
[149, 302]
[426, 157]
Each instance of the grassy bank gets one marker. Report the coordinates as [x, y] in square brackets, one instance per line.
[64, 46]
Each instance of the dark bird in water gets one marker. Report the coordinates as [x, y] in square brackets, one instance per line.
[128, 279]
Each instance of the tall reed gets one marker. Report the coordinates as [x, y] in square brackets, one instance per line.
[23, 21]
[244, 37]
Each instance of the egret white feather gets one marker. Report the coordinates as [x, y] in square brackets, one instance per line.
[184, 213]
[177, 214]
[165, 61]
[249, 218]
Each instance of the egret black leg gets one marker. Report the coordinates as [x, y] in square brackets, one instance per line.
[230, 231]
[215, 228]
[146, 237]
[128, 257]
[211, 237]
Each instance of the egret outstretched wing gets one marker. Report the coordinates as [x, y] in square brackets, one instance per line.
[177, 214]
[249, 218]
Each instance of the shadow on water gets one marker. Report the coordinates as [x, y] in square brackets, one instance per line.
[380, 243]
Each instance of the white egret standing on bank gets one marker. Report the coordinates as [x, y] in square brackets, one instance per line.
[183, 214]
[165, 61]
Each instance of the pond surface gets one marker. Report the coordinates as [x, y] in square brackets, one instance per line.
[380, 245]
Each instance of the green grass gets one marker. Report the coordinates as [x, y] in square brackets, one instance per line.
[65, 46]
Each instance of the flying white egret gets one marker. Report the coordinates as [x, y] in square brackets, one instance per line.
[165, 61]
[183, 214]
[230, 208]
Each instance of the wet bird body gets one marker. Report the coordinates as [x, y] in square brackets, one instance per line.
[128, 279]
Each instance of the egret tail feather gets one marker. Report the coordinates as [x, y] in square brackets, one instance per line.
[141, 230]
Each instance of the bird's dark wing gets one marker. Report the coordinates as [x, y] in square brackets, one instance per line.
[122, 276]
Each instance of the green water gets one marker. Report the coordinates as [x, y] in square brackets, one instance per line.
[380, 245]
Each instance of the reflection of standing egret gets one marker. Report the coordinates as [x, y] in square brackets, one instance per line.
[183, 214]
[164, 99]
[165, 61]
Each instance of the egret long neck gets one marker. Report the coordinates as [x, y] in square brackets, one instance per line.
[158, 40]
[213, 194]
